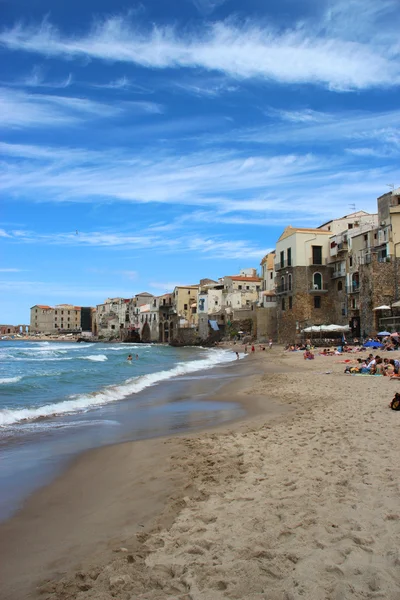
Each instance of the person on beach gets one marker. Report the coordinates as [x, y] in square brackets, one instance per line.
[237, 355]
[270, 344]
[253, 349]
[245, 349]
[137, 356]
[129, 357]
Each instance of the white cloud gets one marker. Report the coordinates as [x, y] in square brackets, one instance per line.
[10, 270]
[306, 53]
[20, 109]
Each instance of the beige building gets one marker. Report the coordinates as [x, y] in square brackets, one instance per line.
[53, 319]
[185, 304]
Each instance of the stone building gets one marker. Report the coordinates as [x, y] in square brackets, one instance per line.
[112, 317]
[63, 318]
[303, 282]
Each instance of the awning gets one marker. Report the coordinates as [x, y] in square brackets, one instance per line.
[383, 307]
[318, 328]
[396, 304]
[214, 325]
[193, 305]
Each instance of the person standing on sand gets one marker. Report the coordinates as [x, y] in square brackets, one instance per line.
[253, 349]
[245, 349]
[237, 355]
[270, 343]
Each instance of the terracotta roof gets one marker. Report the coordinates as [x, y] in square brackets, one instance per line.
[42, 306]
[242, 278]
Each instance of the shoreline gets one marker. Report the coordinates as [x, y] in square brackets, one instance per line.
[41, 522]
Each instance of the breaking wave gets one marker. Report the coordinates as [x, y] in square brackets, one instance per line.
[113, 393]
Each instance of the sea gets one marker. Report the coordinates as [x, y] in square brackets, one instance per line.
[58, 399]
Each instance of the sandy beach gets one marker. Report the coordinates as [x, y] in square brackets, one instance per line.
[299, 500]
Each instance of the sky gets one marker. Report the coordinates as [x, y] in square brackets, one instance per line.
[151, 144]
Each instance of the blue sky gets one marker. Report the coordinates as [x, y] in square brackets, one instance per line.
[150, 144]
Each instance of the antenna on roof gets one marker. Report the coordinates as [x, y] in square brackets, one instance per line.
[391, 186]
[353, 207]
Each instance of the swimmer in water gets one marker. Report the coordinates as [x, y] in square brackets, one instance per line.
[129, 357]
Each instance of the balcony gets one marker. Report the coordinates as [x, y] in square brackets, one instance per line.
[353, 288]
[338, 273]
[315, 289]
[283, 289]
[282, 265]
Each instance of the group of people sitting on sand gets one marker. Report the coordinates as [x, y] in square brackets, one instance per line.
[375, 365]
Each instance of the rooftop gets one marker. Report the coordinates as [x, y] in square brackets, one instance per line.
[288, 231]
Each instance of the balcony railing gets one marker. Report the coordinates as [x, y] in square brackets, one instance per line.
[315, 289]
[353, 288]
[339, 273]
[282, 264]
[283, 289]
[316, 262]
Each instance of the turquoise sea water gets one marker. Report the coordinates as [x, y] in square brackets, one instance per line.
[44, 379]
[58, 399]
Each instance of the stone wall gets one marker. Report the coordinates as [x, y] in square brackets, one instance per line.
[267, 324]
[377, 288]
[303, 313]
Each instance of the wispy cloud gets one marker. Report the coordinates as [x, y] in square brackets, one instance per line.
[225, 184]
[21, 109]
[306, 53]
[10, 270]
[37, 79]
[207, 247]
[207, 7]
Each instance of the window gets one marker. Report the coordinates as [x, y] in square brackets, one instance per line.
[339, 286]
[350, 261]
[290, 302]
[239, 287]
[36, 311]
[316, 255]
[271, 275]
[216, 302]
[112, 326]
[283, 304]
[282, 259]
[185, 307]
[365, 237]
[353, 303]
[68, 312]
[290, 282]
[189, 292]
[289, 257]
[247, 287]
[257, 288]
[55, 312]
[317, 301]
[375, 236]
[317, 281]
[350, 226]
[62, 312]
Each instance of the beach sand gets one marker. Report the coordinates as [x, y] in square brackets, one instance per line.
[301, 501]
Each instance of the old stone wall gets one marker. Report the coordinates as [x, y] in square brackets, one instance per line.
[303, 312]
[377, 287]
[267, 323]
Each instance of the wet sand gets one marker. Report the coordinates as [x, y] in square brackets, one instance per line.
[300, 500]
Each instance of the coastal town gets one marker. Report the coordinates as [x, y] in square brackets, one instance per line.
[344, 272]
